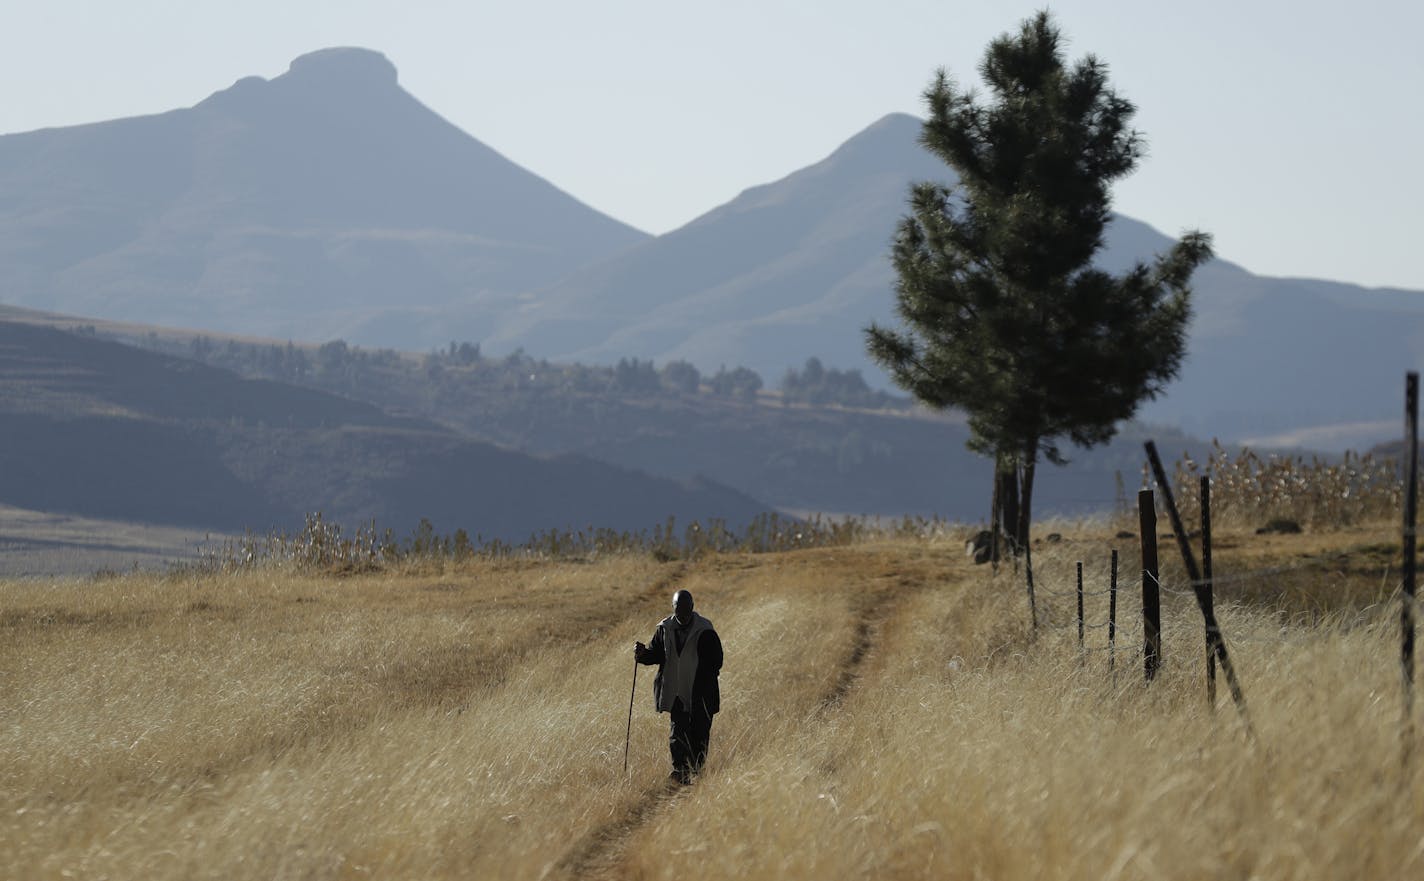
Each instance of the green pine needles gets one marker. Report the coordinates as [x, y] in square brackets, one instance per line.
[1004, 314]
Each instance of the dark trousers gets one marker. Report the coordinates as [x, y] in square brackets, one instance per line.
[688, 739]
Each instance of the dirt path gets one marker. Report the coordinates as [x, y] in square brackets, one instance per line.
[875, 611]
[599, 853]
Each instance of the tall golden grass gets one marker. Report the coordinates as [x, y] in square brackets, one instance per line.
[976, 750]
[887, 712]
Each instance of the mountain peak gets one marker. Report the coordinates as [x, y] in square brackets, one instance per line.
[890, 144]
[896, 123]
[326, 71]
[893, 131]
[344, 63]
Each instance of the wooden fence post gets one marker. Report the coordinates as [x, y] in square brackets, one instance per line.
[1411, 510]
[1080, 610]
[1213, 630]
[1207, 590]
[1183, 543]
[1151, 594]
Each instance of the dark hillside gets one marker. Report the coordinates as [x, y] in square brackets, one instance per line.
[66, 374]
[876, 455]
[98, 429]
[129, 469]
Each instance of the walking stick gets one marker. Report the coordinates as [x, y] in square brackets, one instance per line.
[629, 739]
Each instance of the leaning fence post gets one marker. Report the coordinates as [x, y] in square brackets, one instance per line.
[1213, 631]
[1112, 620]
[1411, 510]
[1207, 589]
[1151, 595]
[1189, 559]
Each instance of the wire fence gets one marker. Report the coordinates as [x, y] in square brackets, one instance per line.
[1360, 488]
[1054, 617]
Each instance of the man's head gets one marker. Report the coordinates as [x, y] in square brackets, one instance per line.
[682, 606]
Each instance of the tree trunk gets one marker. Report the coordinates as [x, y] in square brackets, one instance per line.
[1025, 505]
[1008, 489]
[1025, 517]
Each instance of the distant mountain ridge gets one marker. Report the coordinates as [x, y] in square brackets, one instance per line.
[767, 280]
[798, 267]
[328, 203]
[324, 203]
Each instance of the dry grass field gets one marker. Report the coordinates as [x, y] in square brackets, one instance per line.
[887, 713]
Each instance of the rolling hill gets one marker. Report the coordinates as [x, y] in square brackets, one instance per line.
[795, 457]
[98, 429]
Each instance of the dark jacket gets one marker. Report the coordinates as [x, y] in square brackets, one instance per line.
[709, 664]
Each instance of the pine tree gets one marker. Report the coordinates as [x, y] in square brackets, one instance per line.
[1004, 315]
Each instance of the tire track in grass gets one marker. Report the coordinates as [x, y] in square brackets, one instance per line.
[878, 613]
[599, 853]
[875, 610]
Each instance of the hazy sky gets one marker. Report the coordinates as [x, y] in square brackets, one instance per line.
[1293, 131]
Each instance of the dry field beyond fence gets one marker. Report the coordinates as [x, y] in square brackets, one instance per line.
[887, 713]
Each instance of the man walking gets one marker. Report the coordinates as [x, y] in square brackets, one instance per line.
[688, 653]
